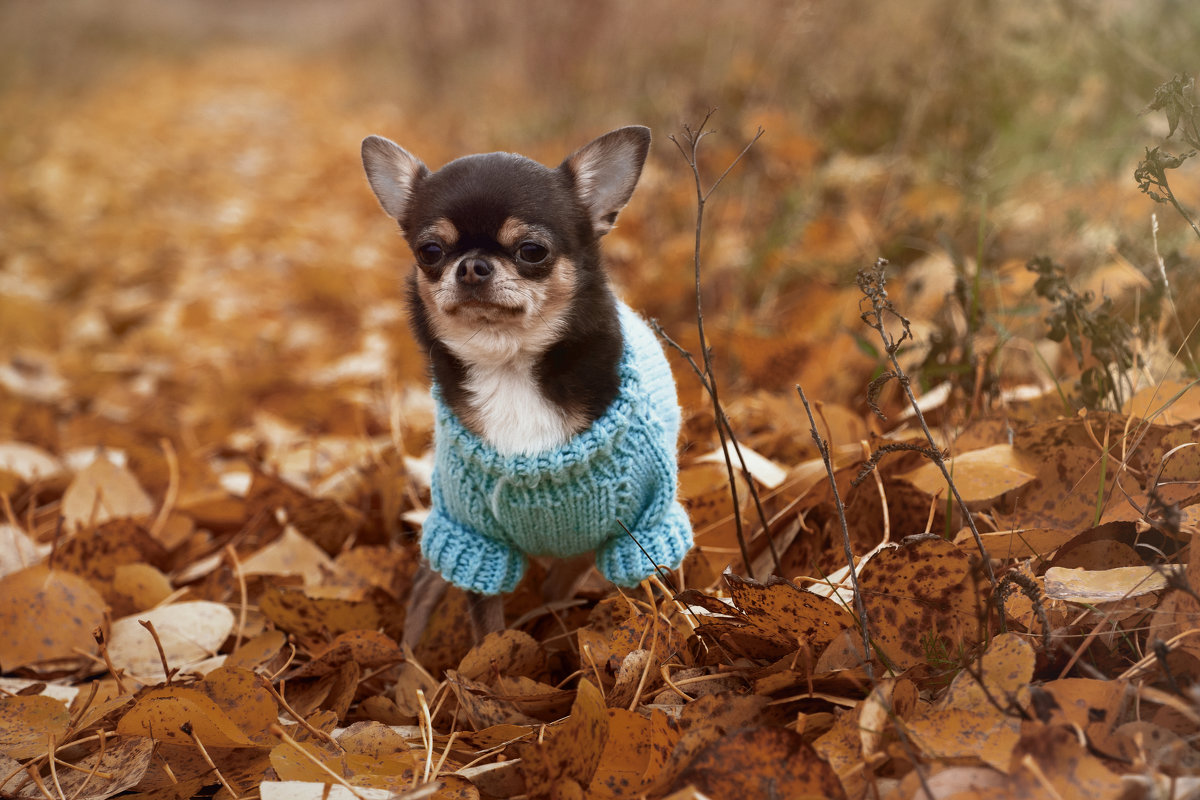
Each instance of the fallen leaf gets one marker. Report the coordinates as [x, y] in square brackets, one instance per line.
[103, 491]
[762, 762]
[636, 752]
[188, 632]
[1054, 755]
[917, 594]
[168, 714]
[510, 653]
[1103, 585]
[979, 475]
[33, 596]
[1166, 403]
[290, 554]
[368, 649]
[29, 463]
[106, 772]
[29, 724]
[572, 751]
[788, 613]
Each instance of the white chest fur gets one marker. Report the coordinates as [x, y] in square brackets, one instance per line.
[512, 414]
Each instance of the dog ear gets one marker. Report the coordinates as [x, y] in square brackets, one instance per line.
[393, 172]
[606, 170]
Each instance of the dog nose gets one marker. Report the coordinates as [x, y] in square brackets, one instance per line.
[473, 271]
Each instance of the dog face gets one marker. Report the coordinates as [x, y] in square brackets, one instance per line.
[505, 248]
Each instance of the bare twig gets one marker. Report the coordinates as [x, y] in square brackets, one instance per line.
[872, 283]
[689, 148]
[243, 604]
[278, 731]
[102, 642]
[723, 422]
[168, 673]
[300, 720]
[229, 785]
[859, 606]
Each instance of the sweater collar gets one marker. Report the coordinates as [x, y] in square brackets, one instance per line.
[560, 464]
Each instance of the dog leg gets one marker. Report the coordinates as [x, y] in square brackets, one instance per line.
[487, 614]
[427, 591]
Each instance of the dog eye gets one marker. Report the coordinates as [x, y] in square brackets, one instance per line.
[430, 253]
[532, 252]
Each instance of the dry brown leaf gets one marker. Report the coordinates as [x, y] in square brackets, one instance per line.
[369, 649]
[290, 554]
[1160, 748]
[1094, 706]
[997, 678]
[28, 462]
[568, 759]
[307, 616]
[979, 720]
[635, 754]
[293, 761]
[508, 653]
[1166, 403]
[230, 708]
[447, 637]
[916, 594]
[102, 774]
[704, 491]
[103, 491]
[537, 699]
[136, 587]
[1064, 494]
[340, 687]
[260, 650]
[188, 632]
[17, 549]
[1023, 543]
[33, 596]
[28, 723]
[166, 714]
[762, 762]
[327, 523]
[1103, 585]
[387, 568]
[979, 475]
[789, 614]
[957, 733]
[890, 701]
[482, 707]
[841, 746]
[1062, 761]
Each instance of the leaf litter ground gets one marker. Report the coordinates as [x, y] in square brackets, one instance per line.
[214, 458]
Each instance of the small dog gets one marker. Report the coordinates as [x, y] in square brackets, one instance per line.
[557, 417]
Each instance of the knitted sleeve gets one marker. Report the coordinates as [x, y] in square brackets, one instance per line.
[662, 528]
[467, 558]
[666, 542]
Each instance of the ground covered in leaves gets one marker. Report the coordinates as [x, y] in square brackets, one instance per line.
[215, 448]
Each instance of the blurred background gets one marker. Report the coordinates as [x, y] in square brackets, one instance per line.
[186, 237]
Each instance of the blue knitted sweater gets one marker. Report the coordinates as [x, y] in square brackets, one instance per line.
[490, 510]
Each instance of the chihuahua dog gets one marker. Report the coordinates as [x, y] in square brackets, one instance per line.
[557, 417]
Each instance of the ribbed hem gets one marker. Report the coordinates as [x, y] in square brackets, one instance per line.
[467, 559]
[622, 561]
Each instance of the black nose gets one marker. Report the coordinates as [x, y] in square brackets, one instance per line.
[473, 271]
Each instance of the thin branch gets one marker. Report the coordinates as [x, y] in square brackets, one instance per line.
[859, 606]
[690, 153]
[873, 286]
[723, 421]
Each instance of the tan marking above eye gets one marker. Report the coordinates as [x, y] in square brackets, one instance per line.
[443, 229]
[511, 232]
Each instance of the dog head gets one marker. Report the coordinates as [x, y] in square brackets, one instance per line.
[506, 249]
